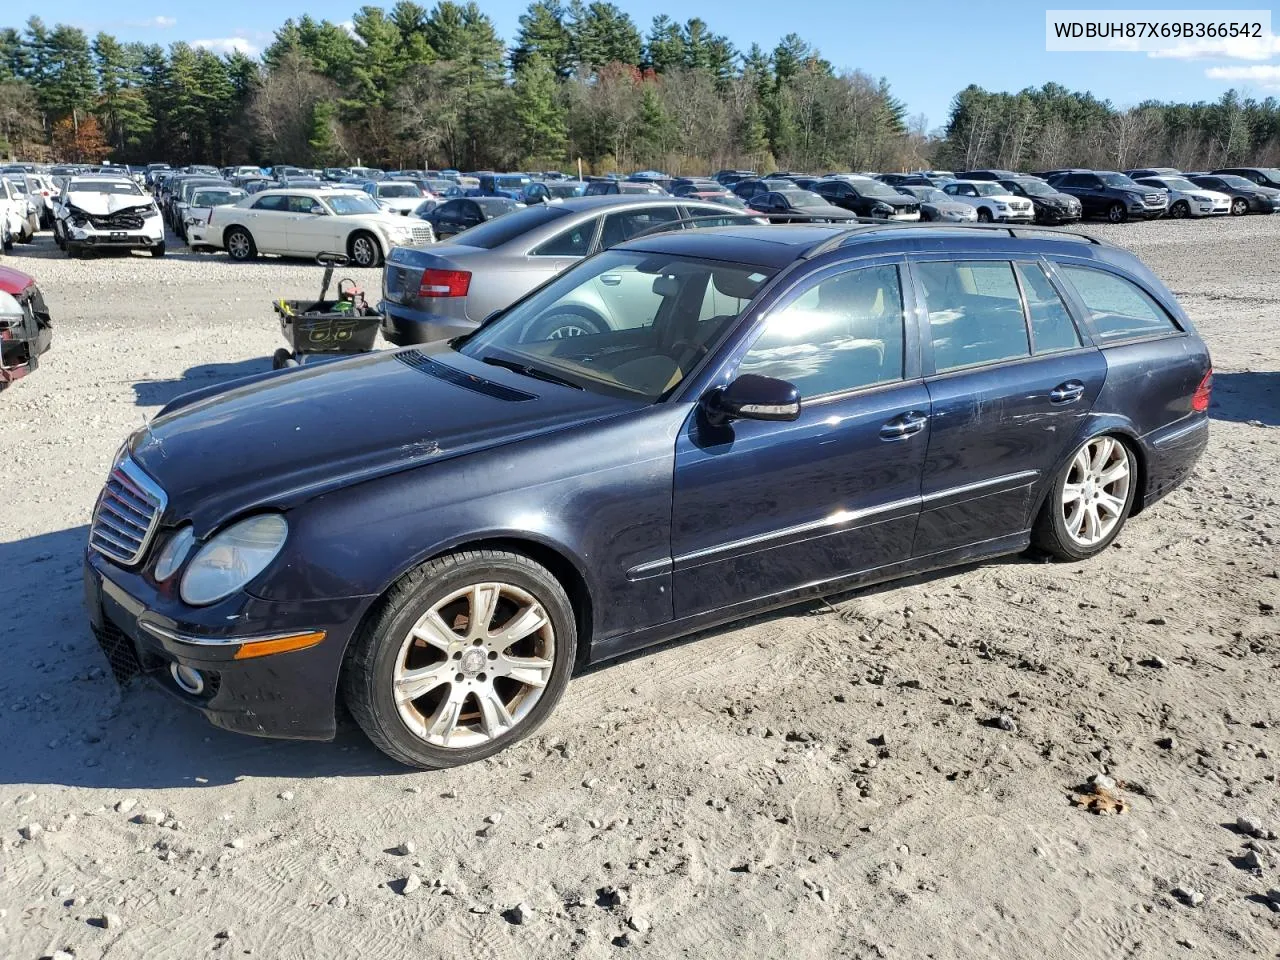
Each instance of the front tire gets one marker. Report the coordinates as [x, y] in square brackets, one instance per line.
[1089, 501]
[364, 249]
[239, 244]
[1117, 213]
[1180, 210]
[984, 215]
[461, 658]
[1239, 207]
[158, 250]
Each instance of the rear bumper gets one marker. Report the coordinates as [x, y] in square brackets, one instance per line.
[1172, 453]
[403, 325]
[286, 695]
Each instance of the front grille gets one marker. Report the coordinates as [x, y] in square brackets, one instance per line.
[127, 514]
[120, 651]
[1154, 199]
[130, 219]
[1020, 205]
[422, 234]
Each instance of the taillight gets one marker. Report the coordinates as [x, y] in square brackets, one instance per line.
[1200, 399]
[444, 283]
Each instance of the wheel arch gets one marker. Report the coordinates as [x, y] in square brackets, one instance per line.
[1121, 429]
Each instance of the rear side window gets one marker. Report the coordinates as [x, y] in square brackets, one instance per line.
[274, 202]
[841, 334]
[625, 225]
[975, 313]
[1052, 328]
[1120, 309]
[574, 242]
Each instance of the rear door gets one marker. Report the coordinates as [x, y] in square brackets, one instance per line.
[1010, 379]
[760, 507]
[267, 222]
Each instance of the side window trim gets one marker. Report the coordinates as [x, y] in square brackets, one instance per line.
[594, 226]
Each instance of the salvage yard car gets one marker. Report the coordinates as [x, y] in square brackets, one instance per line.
[991, 201]
[1187, 199]
[26, 330]
[107, 213]
[779, 412]
[304, 223]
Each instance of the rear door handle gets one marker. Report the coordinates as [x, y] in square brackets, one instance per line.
[1067, 392]
[904, 426]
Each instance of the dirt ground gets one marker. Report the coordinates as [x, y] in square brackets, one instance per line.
[826, 781]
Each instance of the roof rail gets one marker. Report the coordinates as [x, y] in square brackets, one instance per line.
[838, 239]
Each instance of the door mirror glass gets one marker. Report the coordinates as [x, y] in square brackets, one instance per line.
[753, 397]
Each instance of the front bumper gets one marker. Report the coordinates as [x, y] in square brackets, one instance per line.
[1016, 216]
[1050, 215]
[150, 235]
[142, 629]
[403, 325]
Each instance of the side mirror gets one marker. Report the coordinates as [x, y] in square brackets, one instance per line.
[752, 397]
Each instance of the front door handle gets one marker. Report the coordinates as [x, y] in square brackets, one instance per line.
[1068, 392]
[904, 426]
[610, 279]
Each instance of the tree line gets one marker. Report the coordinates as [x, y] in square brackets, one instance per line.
[412, 87]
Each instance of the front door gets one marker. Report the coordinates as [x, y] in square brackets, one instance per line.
[1009, 388]
[762, 507]
[311, 229]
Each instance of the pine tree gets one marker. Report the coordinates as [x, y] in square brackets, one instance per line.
[544, 33]
[602, 34]
[538, 113]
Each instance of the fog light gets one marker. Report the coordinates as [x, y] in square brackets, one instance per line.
[188, 680]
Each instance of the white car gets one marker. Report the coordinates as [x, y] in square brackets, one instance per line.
[1186, 199]
[303, 223]
[195, 220]
[107, 213]
[395, 196]
[25, 205]
[993, 201]
[13, 214]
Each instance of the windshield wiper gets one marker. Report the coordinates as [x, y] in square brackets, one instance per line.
[529, 371]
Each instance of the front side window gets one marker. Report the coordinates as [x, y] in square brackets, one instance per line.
[625, 323]
[843, 333]
[975, 313]
[300, 204]
[1120, 309]
[1052, 328]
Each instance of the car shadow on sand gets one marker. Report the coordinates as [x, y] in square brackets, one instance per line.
[64, 721]
[1247, 397]
[156, 393]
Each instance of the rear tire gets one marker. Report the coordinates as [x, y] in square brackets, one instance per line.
[239, 244]
[399, 678]
[1089, 502]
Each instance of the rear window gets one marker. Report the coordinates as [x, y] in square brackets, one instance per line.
[496, 232]
[1121, 310]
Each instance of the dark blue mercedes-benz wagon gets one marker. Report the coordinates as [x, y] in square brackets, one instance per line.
[441, 534]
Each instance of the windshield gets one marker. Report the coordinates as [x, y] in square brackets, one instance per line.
[804, 198]
[398, 190]
[352, 204]
[1035, 188]
[563, 190]
[989, 189]
[1117, 180]
[19, 186]
[216, 198]
[494, 233]
[637, 336]
[930, 194]
[1179, 183]
[115, 187]
[1234, 181]
[874, 188]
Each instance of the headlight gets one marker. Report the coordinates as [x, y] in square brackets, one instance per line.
[1199, 199]
[233, 558]
[174, 552]
[10, 309]
[1001, 206]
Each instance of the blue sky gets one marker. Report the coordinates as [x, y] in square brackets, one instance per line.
[928, 49]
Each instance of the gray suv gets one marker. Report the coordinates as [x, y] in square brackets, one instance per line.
[450, 288]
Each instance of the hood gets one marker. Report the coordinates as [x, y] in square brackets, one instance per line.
[948, 206]
[902, 200]
[401, 204]
[101, 204]
[1055, 200]
[13, 282]
[280, 438]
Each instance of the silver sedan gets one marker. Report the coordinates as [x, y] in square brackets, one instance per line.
[452, 287]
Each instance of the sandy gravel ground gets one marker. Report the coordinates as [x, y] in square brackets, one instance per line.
[823, 782]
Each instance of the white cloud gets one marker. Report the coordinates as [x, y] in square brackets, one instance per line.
[225, 45]
[151, 23]
[164, 22]
[1265, 75]
[1237, 48]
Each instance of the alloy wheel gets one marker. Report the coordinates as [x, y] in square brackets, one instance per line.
[1239, 207]
[362, 252]
[1096, 490]
[1116, 213]
[474, 665]
[238, 245]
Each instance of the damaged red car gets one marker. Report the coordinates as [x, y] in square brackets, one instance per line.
[26, 330]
